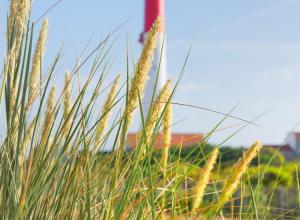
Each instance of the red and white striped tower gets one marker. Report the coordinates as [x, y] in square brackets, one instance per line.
[153, 9]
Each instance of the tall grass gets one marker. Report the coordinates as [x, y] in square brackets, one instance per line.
[51, 164]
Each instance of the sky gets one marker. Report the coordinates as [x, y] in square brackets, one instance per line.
[245, 58]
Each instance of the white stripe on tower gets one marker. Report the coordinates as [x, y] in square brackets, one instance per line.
[153, 9]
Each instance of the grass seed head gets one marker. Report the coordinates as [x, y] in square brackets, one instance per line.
[167, 119]
[49, 115]
[142, 68]
[67, 101]
[204, 178]
[106, 111]
[36, 63]
[67, 95]
[157, 107]
[19, 11]
[239, 169]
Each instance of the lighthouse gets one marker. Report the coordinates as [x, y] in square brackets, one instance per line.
[158, 71]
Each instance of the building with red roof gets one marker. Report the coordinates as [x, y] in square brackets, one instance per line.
[291, 148]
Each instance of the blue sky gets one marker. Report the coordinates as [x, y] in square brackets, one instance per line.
[244, 52]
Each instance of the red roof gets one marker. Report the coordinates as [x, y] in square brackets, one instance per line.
[177, 139]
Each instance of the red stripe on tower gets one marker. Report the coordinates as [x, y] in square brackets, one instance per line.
[158, 71]
[153, 9]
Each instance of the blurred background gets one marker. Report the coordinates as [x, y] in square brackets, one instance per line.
[244, 54]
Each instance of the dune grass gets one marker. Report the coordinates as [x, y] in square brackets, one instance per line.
[51, 164]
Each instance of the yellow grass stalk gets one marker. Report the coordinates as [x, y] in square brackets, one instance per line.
[49, 115]
[106, 110]
[204, 178]
[238, 170]
[166, 133]
[36, 64]
[166, 130]
[154, 113]
[140, 76]
[67, 101]
[19, 10]
[67, 95]
[156, 109]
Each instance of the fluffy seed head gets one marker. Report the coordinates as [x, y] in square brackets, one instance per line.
[167, 120]
[19, 10]
[67, 102]
[51, 101]
[239, 169]
[153, 116]
[106, 111]
[36, 63]
[67, 95]
[166, 133]
[49, 114]
[157, 107]
[139, 79]
[141, 71]
[204, 178]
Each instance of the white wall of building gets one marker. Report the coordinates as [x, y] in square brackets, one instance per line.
[291, 140]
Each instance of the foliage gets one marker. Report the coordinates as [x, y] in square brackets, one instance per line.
[228, 155]
[50, 161]
[272, 175]
[270, 156]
